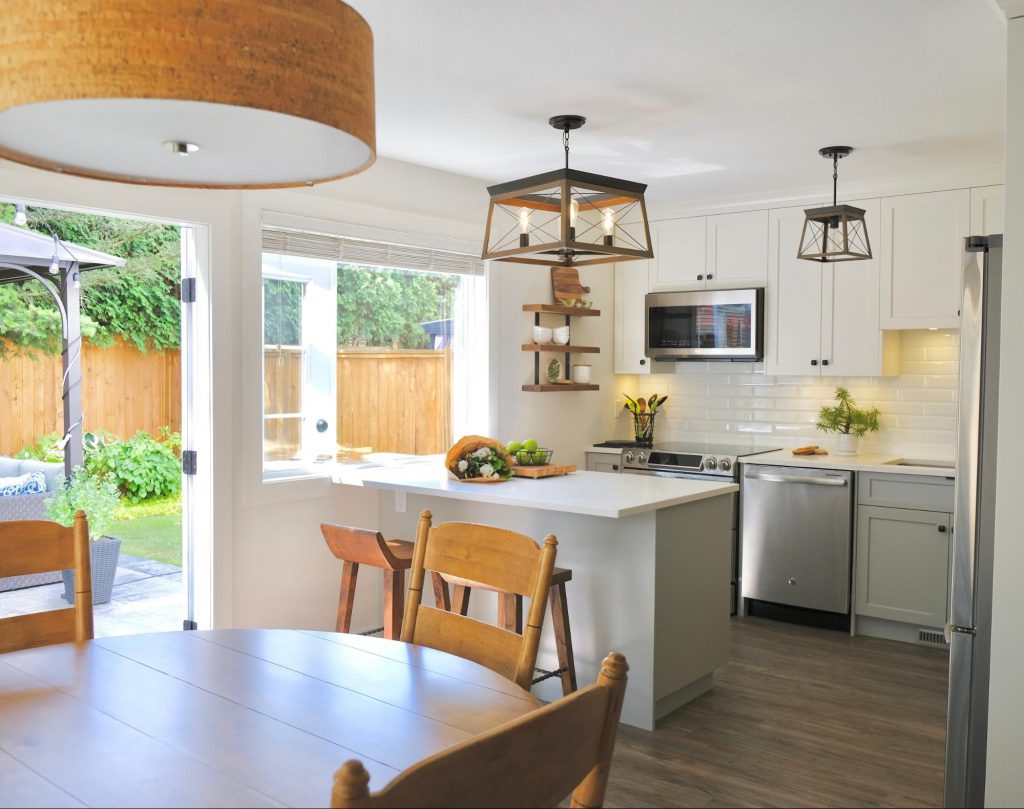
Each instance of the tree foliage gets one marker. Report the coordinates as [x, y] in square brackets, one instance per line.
[138, 302]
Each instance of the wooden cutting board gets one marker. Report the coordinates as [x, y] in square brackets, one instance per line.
[565, 283]
[548, 470]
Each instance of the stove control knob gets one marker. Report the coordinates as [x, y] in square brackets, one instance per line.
[710, 463]
[629, 457]
[724, 464]
[642, 457]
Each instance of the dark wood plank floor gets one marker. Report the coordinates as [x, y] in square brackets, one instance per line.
[799, 717]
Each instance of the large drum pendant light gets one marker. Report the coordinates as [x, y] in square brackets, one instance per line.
[835, 232]
[225, 94]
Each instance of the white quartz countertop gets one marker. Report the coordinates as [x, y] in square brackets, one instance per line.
[597, 494]
[855, 463]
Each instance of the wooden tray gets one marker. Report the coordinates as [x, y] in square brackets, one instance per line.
[548, 470]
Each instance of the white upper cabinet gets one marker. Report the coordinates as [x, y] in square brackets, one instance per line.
[920, 250]
[631, 286]
[792, 300]
[986, 210]
[822, 318]
[679, 254]
[737, 250]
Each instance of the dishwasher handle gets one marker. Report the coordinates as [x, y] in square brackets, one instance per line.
[810, 479]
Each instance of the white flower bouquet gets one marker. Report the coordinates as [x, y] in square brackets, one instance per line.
[478, 459]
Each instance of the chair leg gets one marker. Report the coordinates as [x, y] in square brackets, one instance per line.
[460, 600]
[394, 603]
[347, 596]
[442, 596]
[510, 612]
[563, 638]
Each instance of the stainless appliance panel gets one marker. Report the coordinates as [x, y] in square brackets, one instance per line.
[725, 324]
[966, 727]
[797, 533]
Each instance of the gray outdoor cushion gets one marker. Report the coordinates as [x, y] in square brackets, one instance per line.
[11, 467]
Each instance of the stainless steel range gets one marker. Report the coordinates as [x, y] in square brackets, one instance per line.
[697, 460]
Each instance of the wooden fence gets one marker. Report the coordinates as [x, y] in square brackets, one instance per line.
[123, 390]
[388, 400]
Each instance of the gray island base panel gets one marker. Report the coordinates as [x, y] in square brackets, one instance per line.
[653, 585]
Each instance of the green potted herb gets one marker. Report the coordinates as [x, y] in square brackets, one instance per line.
[848, 421]
[98, 498]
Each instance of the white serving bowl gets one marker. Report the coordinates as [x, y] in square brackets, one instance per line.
[541, 334]
[561, 335]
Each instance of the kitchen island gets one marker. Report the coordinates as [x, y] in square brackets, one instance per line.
[650, 558]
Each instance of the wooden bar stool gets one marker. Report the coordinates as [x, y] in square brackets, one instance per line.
[360, 546]
[510, 616]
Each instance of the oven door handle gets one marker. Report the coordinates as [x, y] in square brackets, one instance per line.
[813, 481]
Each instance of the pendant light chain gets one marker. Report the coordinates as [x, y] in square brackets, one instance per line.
[565, 143]
[835, 178]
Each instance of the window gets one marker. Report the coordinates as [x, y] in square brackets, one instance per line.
[370, 349]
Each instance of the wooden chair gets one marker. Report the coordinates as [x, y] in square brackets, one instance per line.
[39, 546]
[512, 765]
[360, 546]
[496, 558]
[510, 617]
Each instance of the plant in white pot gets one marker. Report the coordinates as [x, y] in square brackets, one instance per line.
[848, 421]
[98, 498]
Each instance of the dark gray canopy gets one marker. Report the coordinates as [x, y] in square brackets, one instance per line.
[27, 248]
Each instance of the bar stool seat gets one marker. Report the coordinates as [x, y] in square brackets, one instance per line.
[510, 616]
[361, 546]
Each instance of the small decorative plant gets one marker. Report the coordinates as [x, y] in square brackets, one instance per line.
[476, 457]
[846, 418]
[95, 495]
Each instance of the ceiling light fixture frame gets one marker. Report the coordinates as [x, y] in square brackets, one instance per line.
[567, 216]
[835, 232]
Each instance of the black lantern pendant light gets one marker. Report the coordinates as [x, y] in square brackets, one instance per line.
[836, 232]
[567, 216]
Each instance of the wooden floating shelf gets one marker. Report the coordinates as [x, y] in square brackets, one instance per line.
[550, 388]
[553, 309]
[555, 348]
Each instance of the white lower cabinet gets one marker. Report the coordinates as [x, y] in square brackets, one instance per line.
[603, 462]
[903, 561]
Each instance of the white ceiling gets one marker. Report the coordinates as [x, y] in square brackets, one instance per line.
[702, 99]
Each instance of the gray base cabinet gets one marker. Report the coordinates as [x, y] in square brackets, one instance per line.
[903, 565]
[603, 462]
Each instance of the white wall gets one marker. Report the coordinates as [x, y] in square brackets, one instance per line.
[737, 402]
[270, 566]
[1005, 784]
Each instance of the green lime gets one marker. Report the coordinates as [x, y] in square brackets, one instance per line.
[514, 447]
[530, 444]
[523, 457]
[540, 456]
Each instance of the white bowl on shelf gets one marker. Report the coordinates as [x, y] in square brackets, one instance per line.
[541, 334]
[561, 335]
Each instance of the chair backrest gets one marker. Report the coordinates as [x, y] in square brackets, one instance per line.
[359, 545]
[502, 560]
[535, 760]
[39, 546]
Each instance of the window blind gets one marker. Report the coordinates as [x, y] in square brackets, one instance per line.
[360, 251]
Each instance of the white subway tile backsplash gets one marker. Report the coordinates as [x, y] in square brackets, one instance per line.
[726, 400]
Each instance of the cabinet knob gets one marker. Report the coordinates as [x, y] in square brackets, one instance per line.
[643, 362]
[710, 276]
[942, 529]
[824, 362]
[791, 582]
[615, 466]
[814, 362]
[701, 277]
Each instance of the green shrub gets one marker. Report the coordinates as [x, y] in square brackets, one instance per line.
[94, 495]
[44, 449]
[142, 467]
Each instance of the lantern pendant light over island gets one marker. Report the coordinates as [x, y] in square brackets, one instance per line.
[567, 216]
[226, 94]
[835, 232]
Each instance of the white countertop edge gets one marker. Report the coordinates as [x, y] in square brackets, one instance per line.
[851, 463]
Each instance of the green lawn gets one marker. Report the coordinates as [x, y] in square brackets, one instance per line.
[150, 530]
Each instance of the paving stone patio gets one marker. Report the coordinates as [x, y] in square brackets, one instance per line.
[148, 597]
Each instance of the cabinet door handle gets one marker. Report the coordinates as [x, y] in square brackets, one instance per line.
[814, 362]
[701, 277]
[615, 466]
[942, 529]
[710, 276]
[643, 362]
[824, 362]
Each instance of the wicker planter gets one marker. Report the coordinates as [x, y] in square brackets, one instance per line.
[103, 555]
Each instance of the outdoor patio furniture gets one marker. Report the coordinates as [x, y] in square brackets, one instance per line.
[28, 507]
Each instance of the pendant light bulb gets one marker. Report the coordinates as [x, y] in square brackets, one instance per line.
[524, 220]
[20, 217]
[574, 212]
[609, 222]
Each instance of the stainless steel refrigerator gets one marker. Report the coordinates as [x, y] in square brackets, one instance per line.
[969, 629]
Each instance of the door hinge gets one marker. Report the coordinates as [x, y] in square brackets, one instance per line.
[189, 462]
[189, 626]
[188, 290]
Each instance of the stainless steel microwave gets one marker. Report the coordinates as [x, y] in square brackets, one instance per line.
[721, 324]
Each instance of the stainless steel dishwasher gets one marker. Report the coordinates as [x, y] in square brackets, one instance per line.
[797, 533]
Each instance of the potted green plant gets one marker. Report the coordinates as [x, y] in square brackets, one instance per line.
[848, 421]
[98, 498]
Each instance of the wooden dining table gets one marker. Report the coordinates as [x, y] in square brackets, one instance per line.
[233, 717]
